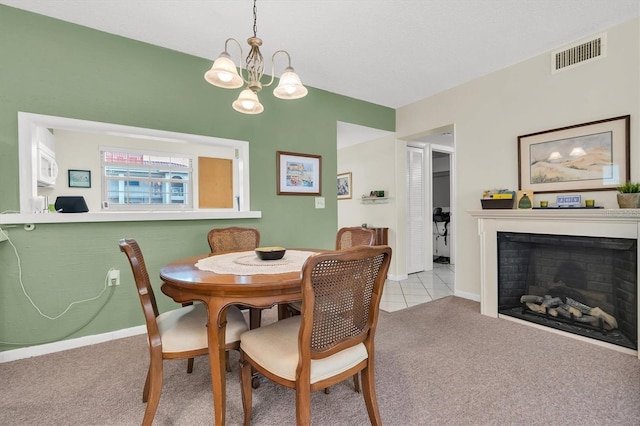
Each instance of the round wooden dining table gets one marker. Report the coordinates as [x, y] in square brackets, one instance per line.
[184, 281]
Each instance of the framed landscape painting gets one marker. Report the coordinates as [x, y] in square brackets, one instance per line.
[298, 174]
[592, 156]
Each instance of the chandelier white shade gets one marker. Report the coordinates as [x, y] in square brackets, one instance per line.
[248, 103]
[290, 86]
[225, 74]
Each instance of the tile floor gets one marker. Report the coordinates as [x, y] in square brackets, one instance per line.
[419, 288]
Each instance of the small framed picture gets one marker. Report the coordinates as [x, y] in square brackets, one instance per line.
[298, 174]
[344, 186]
[79, 178]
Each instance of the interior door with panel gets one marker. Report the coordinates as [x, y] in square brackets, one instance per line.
[416, 229]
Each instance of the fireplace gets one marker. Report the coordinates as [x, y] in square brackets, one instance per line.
[599, 272]
[579, 284]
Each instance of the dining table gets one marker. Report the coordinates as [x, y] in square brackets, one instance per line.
[225, 279]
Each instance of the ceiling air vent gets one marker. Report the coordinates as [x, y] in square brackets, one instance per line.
[579, 53]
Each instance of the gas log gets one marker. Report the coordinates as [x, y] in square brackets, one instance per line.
[569, 309]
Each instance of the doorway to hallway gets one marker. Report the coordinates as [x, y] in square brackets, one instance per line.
[430, 202]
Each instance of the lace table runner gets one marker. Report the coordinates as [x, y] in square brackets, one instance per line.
[248, 263]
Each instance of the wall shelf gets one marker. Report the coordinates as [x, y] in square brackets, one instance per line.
[374, 200]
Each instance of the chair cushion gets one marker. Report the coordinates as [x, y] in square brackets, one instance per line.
[275, 348]
[185, 329]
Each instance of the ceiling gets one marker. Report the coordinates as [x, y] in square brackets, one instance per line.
[388, 52]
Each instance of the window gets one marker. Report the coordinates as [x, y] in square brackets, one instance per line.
[136, 180]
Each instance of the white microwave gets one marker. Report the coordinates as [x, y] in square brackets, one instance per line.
[47, 167]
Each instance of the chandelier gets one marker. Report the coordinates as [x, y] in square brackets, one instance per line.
[224, 73]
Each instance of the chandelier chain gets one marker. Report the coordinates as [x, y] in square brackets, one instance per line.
[255, 19]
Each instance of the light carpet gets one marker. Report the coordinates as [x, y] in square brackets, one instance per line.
[439, 363]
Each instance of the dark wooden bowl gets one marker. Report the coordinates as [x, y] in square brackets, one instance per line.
[270, 253]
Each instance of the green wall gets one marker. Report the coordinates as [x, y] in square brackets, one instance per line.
[55, 68]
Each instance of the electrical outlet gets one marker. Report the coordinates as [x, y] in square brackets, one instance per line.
[3, 235]
[114, 277]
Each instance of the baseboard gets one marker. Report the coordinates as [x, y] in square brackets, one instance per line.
[48, 348]
[397, 277]
[467, 295]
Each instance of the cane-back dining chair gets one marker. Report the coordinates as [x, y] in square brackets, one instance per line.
[345, 238]
[233, 239]
[181, 333]
[354, 236]
[332, 339]
[351, 237]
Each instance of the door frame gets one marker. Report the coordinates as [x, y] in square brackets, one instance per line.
[428, 149]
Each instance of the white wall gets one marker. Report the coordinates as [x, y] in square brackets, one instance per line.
[490, 112]
[372, 167]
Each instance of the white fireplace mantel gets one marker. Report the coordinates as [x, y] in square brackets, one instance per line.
[600, 215]
[613, 223]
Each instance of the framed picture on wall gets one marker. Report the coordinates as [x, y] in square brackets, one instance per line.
[344, 186]
[298, 174]
[592, 156]
[79, 178]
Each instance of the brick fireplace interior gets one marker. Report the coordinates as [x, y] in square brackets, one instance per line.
[579, 284]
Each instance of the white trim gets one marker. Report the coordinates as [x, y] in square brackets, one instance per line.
[563, 214]
[64, 345]
[31, 218]
[466, 295]
[397, 277]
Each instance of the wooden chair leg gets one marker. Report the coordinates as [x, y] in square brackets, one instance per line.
[190, 365]
[369, 393]
[356, 385]
[283, 311]
[226, 361]
[145, 390]
[303, 404]
[246, 388]
[155, 388]
[255, 318]
[255, 380]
